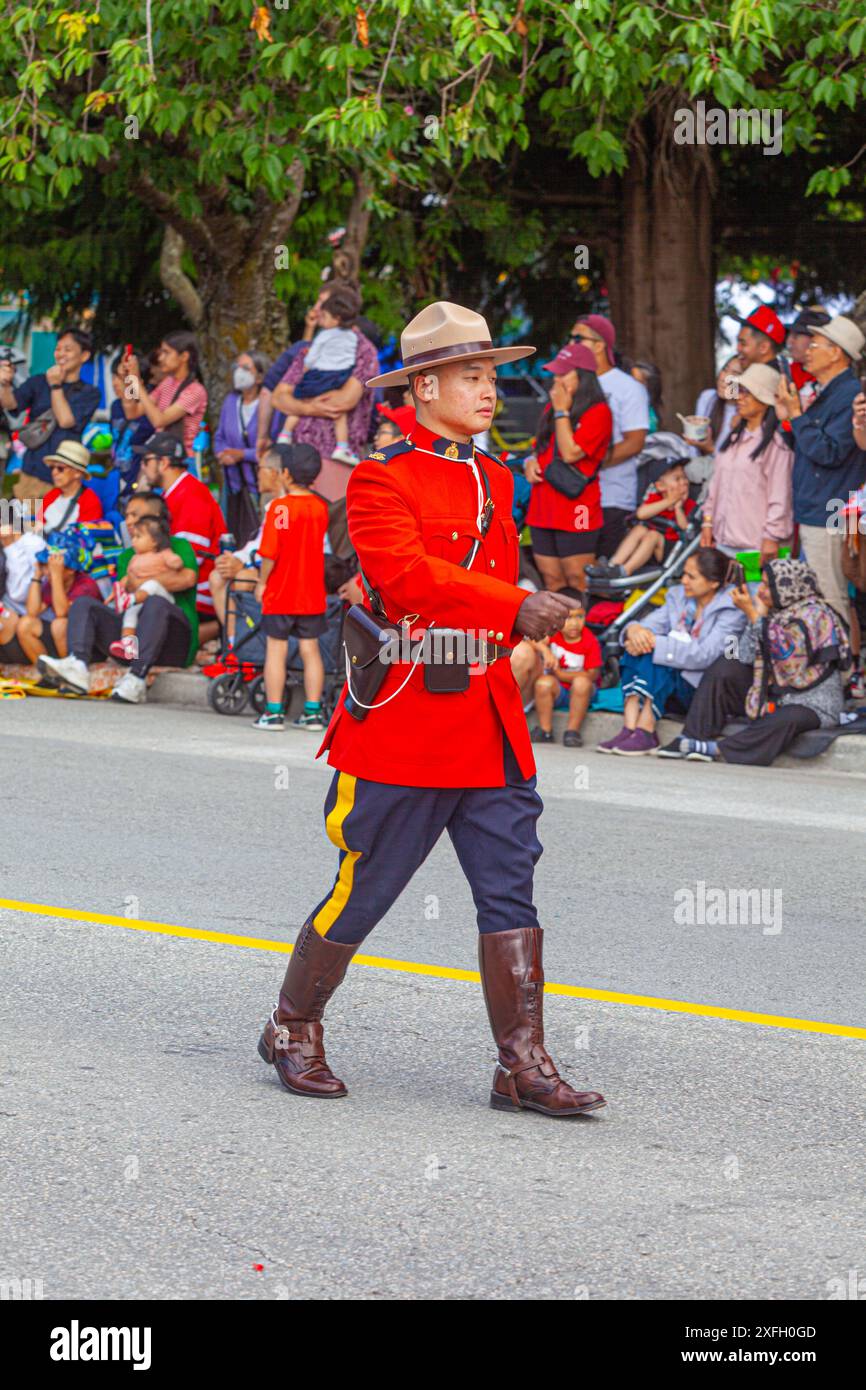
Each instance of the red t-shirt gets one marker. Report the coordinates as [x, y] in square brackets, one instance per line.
[582, 655]
[54, 505]
[293, 536]
[196, 516]
[549, 508]
[665, 521]
[82, 586]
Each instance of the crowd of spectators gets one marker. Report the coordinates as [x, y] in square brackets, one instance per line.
[133, 553]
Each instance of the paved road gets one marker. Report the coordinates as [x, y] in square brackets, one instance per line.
[146, 1151]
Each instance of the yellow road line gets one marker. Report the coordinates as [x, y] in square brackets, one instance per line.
[444, 972]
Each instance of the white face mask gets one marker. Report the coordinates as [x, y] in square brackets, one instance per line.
[243, 378]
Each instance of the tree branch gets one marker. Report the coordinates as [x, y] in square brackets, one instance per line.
[175, 278]
[194, 230]
[275, 227]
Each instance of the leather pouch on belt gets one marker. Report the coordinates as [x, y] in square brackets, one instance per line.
[367, 639]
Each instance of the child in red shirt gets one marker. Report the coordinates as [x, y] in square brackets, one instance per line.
[291, 589]
[571, 662]
[660, 519]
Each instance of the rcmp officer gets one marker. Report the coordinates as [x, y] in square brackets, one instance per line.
[430, 520]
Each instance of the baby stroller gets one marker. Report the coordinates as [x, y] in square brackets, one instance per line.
[237, 677]
[662, 450]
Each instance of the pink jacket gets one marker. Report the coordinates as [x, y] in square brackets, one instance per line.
[751, 499]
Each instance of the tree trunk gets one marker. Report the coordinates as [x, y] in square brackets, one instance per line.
[662, 282]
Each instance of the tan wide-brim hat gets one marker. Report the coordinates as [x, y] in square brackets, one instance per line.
[845, 334]
[73, 454]
[761, 381]
[444, 333]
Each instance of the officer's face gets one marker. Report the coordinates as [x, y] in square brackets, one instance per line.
[465, 397]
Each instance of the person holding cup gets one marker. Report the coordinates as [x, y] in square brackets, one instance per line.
[750, 502]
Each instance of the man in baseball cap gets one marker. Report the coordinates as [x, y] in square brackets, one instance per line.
[828, 464]
[761, 337]
[162, 445]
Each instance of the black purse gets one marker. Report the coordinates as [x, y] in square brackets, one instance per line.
[565, 476]
[367, 636]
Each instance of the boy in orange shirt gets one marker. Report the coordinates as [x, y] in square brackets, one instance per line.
[291, 589]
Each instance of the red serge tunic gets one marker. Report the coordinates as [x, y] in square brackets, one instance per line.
[553, 510]
[412, 515]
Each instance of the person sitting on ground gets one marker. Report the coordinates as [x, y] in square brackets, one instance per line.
[153, 561]
[661, 518]
[69, 500]
[20, 547]
[797, 647]
[54, 588]
[196, 516]
[750, 502]
[291, 589]
[167, 631]
[571, 665]
[667, 654]
[329, 362]
[241, 567]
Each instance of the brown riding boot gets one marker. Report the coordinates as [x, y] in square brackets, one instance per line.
[525, 1077]
[293, 1039]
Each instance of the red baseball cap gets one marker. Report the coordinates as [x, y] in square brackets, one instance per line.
[569, 359]
[764, 320]
[605, 330]
[403, 416]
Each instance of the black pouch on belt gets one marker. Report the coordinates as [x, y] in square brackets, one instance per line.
[367, 639]
[446, 665]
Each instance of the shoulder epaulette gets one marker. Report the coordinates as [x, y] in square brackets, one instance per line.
[494, 458]
[401, 446]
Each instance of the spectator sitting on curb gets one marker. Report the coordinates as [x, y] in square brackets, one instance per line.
[69, 500]
[667, 654]
[19, 551]
[797, 651]
[54, 588]
[167, 631]
[571, 665]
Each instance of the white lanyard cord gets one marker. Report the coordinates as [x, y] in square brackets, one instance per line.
[394, 693]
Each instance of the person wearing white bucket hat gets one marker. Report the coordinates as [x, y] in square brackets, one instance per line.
[829, 465]
[749, 502]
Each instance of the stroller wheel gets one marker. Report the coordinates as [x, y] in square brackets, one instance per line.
[256, 692]
[228, 693]
[610, 674]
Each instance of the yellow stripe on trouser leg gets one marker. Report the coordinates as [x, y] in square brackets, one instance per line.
[328, 914]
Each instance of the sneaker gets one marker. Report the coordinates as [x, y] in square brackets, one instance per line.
[695, 751]
[124, 649]
[130, 690]
[610, 745]
[638, 743]
[539, 735]
[313, 722]
[67, 672]
[270, 721]
[343, 454]
[674, 749]
[572, 738]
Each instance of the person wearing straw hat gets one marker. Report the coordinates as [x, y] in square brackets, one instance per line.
[69, 500]
[828, 463]
[430, 751]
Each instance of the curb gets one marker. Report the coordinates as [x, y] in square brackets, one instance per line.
[188, 690]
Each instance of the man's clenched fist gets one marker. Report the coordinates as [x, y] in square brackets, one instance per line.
[542, 614]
